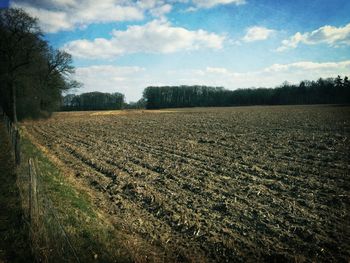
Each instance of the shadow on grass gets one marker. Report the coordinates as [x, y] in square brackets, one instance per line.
[14, 241]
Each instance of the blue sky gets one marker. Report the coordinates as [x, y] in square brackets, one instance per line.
[126, 45]
[4, 3]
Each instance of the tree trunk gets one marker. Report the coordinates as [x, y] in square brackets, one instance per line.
[14, 106]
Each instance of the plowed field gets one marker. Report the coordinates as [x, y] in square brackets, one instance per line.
[217, 184]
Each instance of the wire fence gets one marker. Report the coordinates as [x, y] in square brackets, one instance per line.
[13, 132]
[49, 239]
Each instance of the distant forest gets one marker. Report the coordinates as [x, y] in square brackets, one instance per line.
[322, 91]
[93, 101]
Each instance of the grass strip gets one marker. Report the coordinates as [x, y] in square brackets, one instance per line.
[65, 210]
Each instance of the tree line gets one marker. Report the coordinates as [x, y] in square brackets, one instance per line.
[93, 101]
[33, 75]
[322, 91]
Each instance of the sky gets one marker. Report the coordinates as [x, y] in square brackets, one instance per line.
[126, 45]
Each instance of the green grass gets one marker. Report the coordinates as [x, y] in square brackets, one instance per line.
[14, 240]
[92, 238]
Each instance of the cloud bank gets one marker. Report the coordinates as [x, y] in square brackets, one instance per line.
[211, 3]
[59, 15]
[330, 35]
[156, 36]
[65, 15]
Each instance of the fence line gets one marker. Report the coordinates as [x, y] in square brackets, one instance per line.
[50, 241]
[48, 234]
[15, 138]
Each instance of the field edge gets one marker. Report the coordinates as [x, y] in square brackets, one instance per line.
[91, 235]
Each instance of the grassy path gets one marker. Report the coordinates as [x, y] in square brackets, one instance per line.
[14, 241]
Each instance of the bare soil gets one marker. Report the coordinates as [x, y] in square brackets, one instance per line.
[217, 184]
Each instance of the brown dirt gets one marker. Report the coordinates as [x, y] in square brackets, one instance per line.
[217, 185]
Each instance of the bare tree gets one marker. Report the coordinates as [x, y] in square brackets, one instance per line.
[33, 74]
[20, 39]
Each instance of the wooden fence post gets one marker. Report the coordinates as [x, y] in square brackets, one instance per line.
[33, 198]
[30, 190]
[18, 148]
[14, 135]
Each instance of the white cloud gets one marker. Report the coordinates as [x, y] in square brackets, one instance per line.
[211, 3]
[333, 36]
[154, 37]
[149, 4]
[50, 21]
[57, 15]
[325, 67]
[271, 76]
[108, 78]
[98, 48]
[132, 80]
[161, 11]
[257, 33]
[217, 70]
